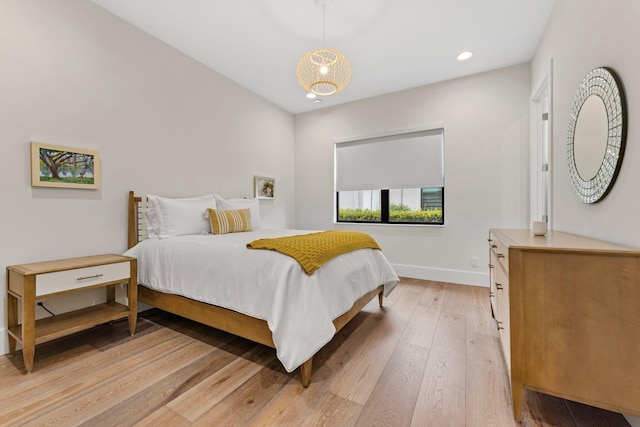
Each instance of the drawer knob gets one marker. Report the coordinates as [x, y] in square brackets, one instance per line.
[499, 286]
[490, 265]
[494, 246]
[95, 276]
[500, 256]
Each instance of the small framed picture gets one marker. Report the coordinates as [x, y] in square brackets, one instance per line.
[56, 166]
[265, 188]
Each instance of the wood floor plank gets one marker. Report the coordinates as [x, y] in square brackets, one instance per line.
[479, 318]
[361, 372]
[91, 404]
[314, 406]
[239, 408]
[208, 393]
[392, 402]
[430, 354]
[340, 351]
[109, 335]
[147, 401]
[433, 293]
[69, 347]
[401, 291]
[541, 410]
[12, 367]
[329, 410]
[422, 326]
[30, 397]
[487, 384]
[587, 416]
[393, 399]
[441, 400]
[458, 299]
[195, 330]
[162, 417]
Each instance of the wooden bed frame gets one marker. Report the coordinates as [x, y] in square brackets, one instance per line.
[221, 318]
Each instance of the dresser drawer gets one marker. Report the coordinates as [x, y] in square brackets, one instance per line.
[501, 252]
[61, 281]
[500, 281]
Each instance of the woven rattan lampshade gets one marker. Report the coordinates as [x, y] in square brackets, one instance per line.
[323, 71]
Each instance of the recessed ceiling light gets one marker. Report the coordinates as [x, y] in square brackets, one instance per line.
[311, 95]
[317, 101]
[465, 55]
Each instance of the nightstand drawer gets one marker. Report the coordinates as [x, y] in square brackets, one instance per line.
[61, 281]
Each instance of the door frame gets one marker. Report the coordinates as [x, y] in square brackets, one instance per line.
[541, 149]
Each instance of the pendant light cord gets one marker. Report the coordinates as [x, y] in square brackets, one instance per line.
[323, 24]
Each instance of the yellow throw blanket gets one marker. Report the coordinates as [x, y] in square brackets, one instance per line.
[315, 249]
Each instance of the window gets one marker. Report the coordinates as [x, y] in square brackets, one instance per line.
[394, 179]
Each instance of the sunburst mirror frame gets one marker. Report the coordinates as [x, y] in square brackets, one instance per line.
[604, 83]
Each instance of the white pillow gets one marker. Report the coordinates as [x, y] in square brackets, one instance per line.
[151, 219]
[167, 217]
[233, 204]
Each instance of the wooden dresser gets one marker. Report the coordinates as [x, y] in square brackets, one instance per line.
[568, 313]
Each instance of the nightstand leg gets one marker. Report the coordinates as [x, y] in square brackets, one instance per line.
[132, 296]
[12, 320]
[133, 320]
[111, 293]
[29, 324]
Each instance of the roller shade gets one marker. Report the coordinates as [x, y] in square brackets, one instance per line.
[407, 160]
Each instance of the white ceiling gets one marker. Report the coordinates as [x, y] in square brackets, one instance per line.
[392, 44]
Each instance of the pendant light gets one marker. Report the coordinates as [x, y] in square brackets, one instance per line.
[323, 71]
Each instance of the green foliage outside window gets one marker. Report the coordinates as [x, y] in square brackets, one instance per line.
[395, 207]
[428, 215]
[357, 215]
[397, 213]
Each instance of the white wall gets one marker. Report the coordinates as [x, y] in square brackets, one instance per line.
[485, 117]
[72, 74]
[581, 35]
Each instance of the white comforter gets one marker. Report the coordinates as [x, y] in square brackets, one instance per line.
[299, 309]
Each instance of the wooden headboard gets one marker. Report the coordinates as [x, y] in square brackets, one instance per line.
[137, 229]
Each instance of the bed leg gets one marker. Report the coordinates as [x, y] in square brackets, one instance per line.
[305, 372]
[380, 295]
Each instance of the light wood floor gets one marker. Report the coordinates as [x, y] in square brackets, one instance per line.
[430, 357]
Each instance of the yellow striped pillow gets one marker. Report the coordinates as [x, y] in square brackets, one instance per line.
[229, 221]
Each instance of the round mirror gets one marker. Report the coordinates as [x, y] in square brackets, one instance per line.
[592, 130]
[597, 131]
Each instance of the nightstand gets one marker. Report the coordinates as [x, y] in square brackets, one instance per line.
[28, 282]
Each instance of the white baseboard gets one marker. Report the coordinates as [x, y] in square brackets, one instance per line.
[442, 275]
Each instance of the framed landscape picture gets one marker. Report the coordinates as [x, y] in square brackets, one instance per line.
[56, 166]
[265, 188]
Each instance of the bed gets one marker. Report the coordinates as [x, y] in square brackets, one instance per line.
[259, 295]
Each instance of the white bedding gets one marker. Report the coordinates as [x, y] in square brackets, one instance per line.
[299, 309]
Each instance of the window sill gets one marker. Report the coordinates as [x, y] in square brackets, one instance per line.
[388, 224]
